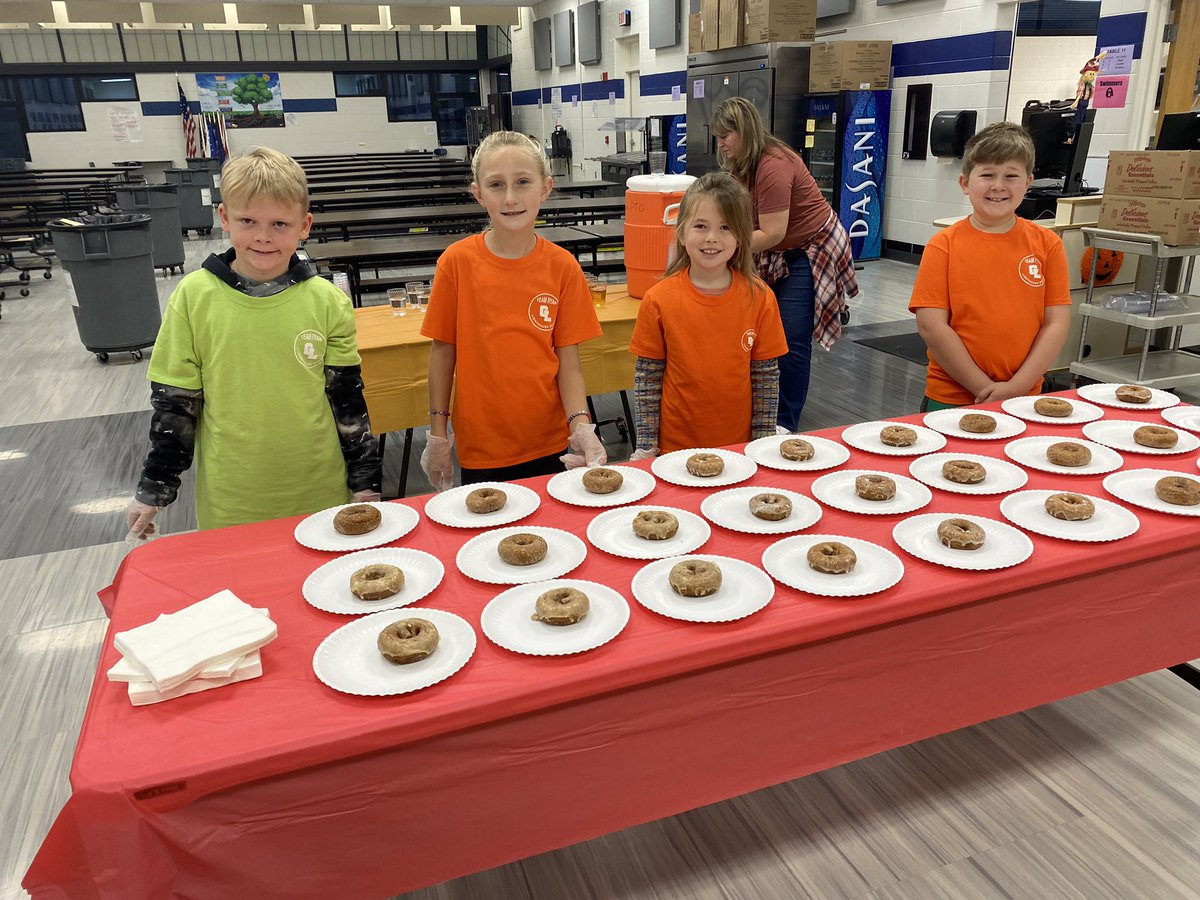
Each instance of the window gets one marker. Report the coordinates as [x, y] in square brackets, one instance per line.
[455, 92]
[49, 104]
[357, 84]
[408, 97]
[441, 96]
[96, 88]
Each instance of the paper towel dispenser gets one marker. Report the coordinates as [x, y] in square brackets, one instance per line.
[950, 131]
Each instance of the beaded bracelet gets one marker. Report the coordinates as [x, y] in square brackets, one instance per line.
[573, 416]
[440, 412]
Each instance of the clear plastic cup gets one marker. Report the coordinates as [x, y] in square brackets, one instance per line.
[398, 297]
[599, 291]
[423, 297]
[658, 162]
[413, 289]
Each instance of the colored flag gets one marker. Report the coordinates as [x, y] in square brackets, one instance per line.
[189, 123]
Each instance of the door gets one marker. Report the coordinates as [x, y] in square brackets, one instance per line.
[705, 94]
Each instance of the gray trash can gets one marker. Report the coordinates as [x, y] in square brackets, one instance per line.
[195, 196]
[116, 294]
[161, 203]
[213, 168]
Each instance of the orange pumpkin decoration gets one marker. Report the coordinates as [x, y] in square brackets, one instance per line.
[1108, 265]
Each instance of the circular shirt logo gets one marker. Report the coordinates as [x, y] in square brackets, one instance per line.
[1030, 270]
[309, 348]
[543, 310]
[748, 337]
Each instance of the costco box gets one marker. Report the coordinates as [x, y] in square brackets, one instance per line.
[1177, 220]
[850, 66]
[695, 32]
[710, 11]
[1153, 173]
[778, 20]
[729, 29]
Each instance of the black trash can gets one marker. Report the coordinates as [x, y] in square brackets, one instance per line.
[116, 295]
[161, 203]
[213, 168]
[195, 199]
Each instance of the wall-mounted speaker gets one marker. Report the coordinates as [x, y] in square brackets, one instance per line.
[950, 132]
[917, 102]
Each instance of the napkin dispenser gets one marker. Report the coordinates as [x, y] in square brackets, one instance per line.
[950, 131]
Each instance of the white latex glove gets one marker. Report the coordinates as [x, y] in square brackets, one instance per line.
[588, 451]
[437, 462]
[367, 496]
[644, 454]
[140, 518]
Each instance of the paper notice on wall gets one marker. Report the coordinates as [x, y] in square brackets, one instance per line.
[674, 92]
[431, 130]
[125, 123]
[291, 120]
[612, 98]
[1117, 60]
[1110, 91]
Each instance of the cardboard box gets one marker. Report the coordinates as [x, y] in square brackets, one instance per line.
[850, 66]
[778, 20]
[695, 32]
[729, 29]
[710, 12]
[1153, 173]
[1177, 220]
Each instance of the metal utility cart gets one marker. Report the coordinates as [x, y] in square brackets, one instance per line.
[1166, 368]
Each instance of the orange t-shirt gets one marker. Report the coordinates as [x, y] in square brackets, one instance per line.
[505, 318]
[997, 288]
[707, 342]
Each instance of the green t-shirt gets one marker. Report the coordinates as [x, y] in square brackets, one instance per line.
[267, 444]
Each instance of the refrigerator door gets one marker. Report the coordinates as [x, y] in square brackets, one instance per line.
[865, 119]
[705, 93]
[821, 142]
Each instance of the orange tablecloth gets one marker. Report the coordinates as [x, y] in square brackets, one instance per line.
[283, 785]
[395, 360]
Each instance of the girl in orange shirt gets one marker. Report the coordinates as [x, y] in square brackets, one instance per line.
[507, 313]
[708, 336]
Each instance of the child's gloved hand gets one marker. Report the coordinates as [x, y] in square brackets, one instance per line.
[140, 518]
[367, 496]
[588, 451]
[643, 454]
[437, 463]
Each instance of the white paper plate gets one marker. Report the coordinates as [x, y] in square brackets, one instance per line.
[1003, 545]
[478, 558]
[450, 507]
[508, 623]
[1183, 417]
[1106, 395]
[349, 659]
[865, 436]
[1031, 452]
[672, 467]
[837, 490]
[317, 532]
[328, 588]
[1022, 408]
[745, 589]
[826, 453]
[612, 532]
[877, 569]
[731, 509]
[1118, 434]
[946, 421]
[1136, 486]
[1111, 521]
[1002, 476]
[567, 487]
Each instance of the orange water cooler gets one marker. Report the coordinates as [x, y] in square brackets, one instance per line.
[650, 227]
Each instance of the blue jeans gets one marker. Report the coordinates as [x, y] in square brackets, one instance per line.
[796, 308]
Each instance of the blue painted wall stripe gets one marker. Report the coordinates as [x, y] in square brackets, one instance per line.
[591, 90]
[171, 107]
[651, 85]
[1113, 31]
[166, 107]
[320, 104]
[985, 51]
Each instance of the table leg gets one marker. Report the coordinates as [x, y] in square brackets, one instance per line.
[407, 457]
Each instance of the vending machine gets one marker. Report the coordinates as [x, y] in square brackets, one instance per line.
[844, 144]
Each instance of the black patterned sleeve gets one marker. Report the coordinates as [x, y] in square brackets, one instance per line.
[172, 442]
[764, 397]
[344, 388]
[647, 400]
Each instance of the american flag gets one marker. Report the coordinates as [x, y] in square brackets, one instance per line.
[189, 123]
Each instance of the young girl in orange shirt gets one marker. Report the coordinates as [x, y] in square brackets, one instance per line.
[507, 313]
[708, 335]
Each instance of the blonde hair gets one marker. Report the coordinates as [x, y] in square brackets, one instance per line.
[498, 139]
[733, 203]
[740, 115]
[264, 172]
[1000, 142]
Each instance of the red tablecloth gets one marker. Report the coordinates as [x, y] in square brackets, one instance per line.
[283, 786]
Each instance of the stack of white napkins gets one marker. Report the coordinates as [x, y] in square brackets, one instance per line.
[206, 645]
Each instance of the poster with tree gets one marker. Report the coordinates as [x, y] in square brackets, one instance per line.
[244, 99]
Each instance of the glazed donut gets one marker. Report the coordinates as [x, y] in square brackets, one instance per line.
[875, 487]
[1156, 436]
[771, 507]
[358, 519]
[695, 578]
[1070, 507]
[705, 465]
[408, 641]
[1053, 407]
[832, 558]
[797, 450]
[977, 423]
[561, 606]
[486, 500]
[963, 471]
[960, 534]
[522, 549]
[1068, 453]
[1132, 393]
[602, 481]
[655, 525]
[898, 436]
[377, 581]
[1178, 490]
